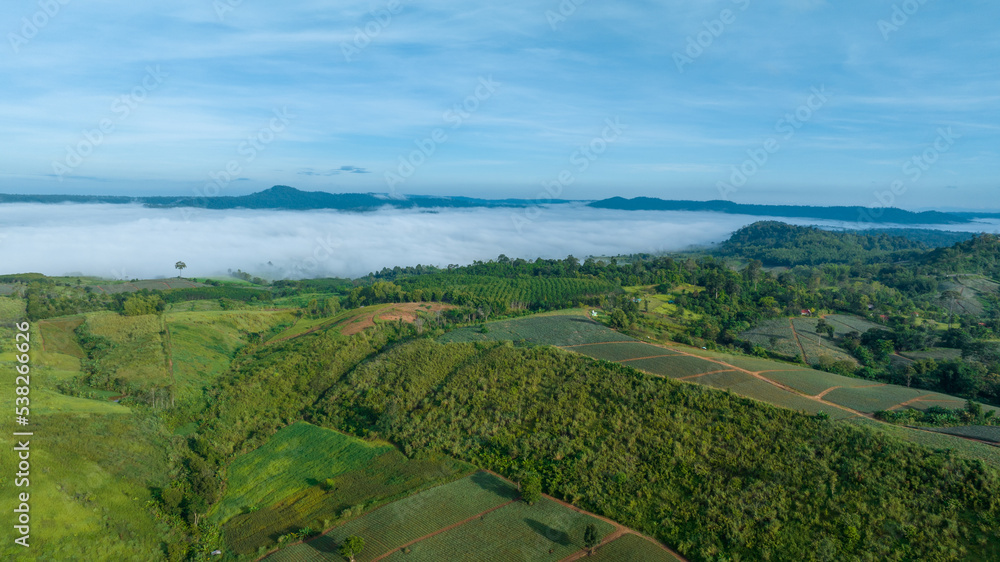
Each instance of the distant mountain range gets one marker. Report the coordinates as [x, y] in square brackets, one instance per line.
[284, 197]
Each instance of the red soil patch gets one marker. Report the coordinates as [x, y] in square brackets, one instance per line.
[405, 311]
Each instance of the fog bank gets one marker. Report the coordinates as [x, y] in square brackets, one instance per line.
[130, 241]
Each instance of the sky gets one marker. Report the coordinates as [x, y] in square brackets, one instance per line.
[856, 102]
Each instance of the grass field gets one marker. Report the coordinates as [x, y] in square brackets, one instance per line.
[88, 494]
[11, 309]
[543, 531]
[136, 356]
[151, 284]
[202, 344]
[569, 328]
[391, 526]
[307, 476]
[631, 548]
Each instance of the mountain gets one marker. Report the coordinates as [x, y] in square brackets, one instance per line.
[285, 197]
[777, 243]
[859, 214]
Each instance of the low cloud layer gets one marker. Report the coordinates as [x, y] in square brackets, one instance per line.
[126, 241]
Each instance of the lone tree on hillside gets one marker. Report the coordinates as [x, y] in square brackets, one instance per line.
[590, 538]
[351, 547]
[179, 266]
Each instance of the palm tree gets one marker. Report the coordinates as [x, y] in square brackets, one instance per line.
[179, 266]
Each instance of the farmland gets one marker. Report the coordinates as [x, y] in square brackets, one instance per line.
[571, 328]
[630, 548]
[797, 337]
[623, 351]
[518, 531]
[304, 473]
[391, 526]
[983, 432]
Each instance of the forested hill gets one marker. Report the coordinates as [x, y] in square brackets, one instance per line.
[851, 214]
[979, 255]
[777, 243]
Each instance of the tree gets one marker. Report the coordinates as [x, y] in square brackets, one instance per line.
[351, 547]
[531, 488]
[619, 319]
[590, 538]
[179, 266]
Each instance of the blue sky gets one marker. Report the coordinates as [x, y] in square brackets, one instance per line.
[500, 99]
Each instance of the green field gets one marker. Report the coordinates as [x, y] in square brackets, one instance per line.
[391, 526]
[935, 440]
[677, 366]
[307, 476]
[569, 328]
[983, 432]
[135, 358]
[844, 323]
[873, 399]
[543, 531]
[632, 548]
[624, 351]
[751, 387]
[811, 382]
[202, 344]
[11, 309]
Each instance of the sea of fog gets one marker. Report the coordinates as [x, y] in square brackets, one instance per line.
[131, 241]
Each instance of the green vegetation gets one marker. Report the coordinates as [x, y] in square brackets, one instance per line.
[391, 526]
[306, 477]
[562, 330]
[543, 531]
[777, 243]
[678, 461]
[629, 548]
